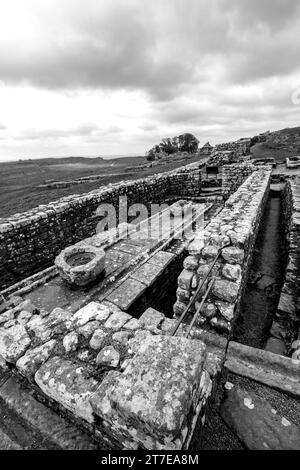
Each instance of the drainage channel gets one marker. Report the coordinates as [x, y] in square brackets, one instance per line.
[266, 277]
[161, 295]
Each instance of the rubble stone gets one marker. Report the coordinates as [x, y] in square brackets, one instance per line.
[13, 343]
[98, 339]
[70, 342]
[67, 383]
[33, 359]
[108, 356]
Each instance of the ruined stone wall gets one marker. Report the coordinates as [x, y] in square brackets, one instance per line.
[231, 233]
[99, 362]
[233, 176]
[30, 241]
[288, 307]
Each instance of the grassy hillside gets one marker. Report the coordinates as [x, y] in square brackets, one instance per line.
[279, 144]
[19, 180]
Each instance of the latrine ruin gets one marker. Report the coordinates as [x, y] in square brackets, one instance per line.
[141, 349]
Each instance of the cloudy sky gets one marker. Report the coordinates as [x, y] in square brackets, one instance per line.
[94, 77]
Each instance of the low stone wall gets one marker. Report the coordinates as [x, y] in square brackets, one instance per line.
[288, 307]
[233, 176]
[30, 241]
[232, 234]
[125, 380]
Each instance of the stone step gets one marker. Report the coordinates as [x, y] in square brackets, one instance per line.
[279, 372]
[53, 430]
[215, 189]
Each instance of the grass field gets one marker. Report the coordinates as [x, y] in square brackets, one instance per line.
[19, 180]
[279, 150]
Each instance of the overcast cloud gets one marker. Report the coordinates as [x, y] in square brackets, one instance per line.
[114, 77]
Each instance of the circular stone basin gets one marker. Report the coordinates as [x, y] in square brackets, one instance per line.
[79, 259]
[80, 265]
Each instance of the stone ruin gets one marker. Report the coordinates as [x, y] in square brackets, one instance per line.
[113, 347]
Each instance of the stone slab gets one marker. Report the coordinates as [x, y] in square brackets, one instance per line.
[257, 424]
[163, 258]
[147, 273]
[115, 259]
[265, 367]
[131, 248]
[124, 295]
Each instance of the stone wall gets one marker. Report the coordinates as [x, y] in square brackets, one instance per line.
[288, 307]
[30, 241]
[124, 380]
[235, 175]
[232, 234]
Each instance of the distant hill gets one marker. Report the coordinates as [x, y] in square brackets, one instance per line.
[49, 160]
[279, 144]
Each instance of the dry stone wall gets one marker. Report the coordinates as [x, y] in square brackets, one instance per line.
[289, 307]
[30, 241]
[235, 175]
[148, 389]
[231, 233]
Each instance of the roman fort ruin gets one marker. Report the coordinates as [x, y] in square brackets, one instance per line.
[151, 335]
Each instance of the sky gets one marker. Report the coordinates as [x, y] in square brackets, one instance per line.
[107, 77]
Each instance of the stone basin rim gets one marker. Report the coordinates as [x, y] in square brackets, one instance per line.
[61, 259]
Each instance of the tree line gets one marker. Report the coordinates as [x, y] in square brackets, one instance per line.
[183, 143]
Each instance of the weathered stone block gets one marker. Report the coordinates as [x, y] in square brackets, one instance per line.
[92, 311]
[190, 263]
[151, 318]
[117, 320]
[185, 279]
[33, 359]
[275, 346]
[226, 290]
[88, 329]
[98, 339]
[178, 308]
[226, 310]
[152, 399]
[70, 342]
[287, 304]
[14, 342]
[209, 252]
[44, 328]
[257, 423]
[121, 337]
[233, 255]
[133, 324]
[232, 271]
[124, 295]
[195, 247]
[67, 383]
[147, 273]
[108, 357]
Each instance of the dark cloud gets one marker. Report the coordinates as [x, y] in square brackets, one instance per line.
[212, 66]
[115, 49]
[153, 47]
[275, 14]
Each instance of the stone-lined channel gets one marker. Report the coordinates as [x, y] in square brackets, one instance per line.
[266, 277]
